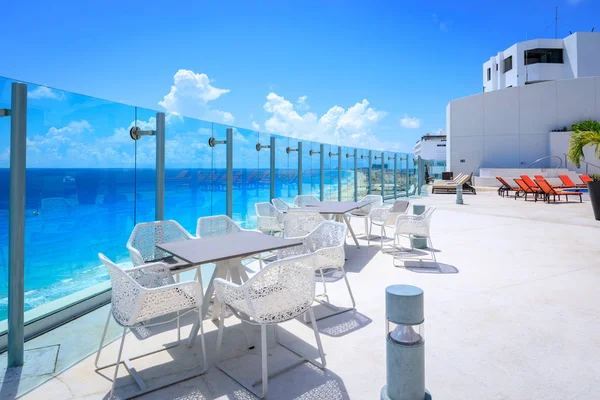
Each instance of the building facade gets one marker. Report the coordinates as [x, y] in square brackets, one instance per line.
[512, 128]
[431, 147]
[540, 60]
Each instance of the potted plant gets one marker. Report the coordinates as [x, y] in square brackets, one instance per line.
[587, 133]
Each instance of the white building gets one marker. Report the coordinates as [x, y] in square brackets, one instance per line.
[431, 147]
[512, 128]
[539, 60]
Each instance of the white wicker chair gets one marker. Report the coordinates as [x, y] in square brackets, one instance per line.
[269, 218]
[327, 242]
[414, 225]
[219, 225]
[280, 292]
[140, 294]
[303, 200]
[280, 205]
[367, 203]
[145, 236]
[298, 223]
[386, 217]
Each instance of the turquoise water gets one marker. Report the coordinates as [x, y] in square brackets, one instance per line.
[73, 214]
[575, 190]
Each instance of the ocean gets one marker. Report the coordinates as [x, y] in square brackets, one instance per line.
[73, 214]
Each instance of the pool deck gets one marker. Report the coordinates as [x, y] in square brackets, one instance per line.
[511, 312]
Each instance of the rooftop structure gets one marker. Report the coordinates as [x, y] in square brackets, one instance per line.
[492, 309]
[431, 147]
[540, 60]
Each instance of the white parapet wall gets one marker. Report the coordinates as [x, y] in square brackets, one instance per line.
[509, 128]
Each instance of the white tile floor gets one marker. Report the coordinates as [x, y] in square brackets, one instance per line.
[514, 315]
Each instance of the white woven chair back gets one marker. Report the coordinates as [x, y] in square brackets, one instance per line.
[147, 235]
[216, 226]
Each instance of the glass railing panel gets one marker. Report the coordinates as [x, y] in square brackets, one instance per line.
[5, 98]
[145, 167]
[286, 165]
[312, 167]
[347, 174]
[80, 196]
[363, 173]
[250, 178]
[188, 168]
[388, 175]
[376, 172]
[216, 178]
[330, 175]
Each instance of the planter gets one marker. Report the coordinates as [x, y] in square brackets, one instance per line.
[594, 192]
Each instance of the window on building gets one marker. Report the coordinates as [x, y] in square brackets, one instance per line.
[507, 64]
[543, 56]
[489, 74]
[496, 67]
[441, 145]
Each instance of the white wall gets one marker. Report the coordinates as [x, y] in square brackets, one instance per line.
[509, 128]
[581, 58]
[559, 141]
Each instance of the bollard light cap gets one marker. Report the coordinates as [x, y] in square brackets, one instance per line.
[404, 304]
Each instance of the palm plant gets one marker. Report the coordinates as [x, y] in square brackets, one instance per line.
[584, 133]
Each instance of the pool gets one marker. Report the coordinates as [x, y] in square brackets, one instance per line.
[575, 190]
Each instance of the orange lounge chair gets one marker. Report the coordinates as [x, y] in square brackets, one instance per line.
[506, 187]
[527, 189]
[569, 183]
[544, 179]
[529, 182]
[585, 179]
[548, 191]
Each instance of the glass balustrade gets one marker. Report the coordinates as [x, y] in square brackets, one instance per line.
[88, 183]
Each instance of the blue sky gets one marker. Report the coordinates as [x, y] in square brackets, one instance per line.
[376, 74]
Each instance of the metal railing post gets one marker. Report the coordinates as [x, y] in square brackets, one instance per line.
[229, 184]
[299, 167]
[322, 171]
[369, 176]
[382, 176]
[339, 173]
[355, 175]
[407, 179]
[395, 177]
[16, 225]
[420, 174]
[159, 212]
[272, 168]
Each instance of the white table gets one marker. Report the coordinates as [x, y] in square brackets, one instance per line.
[338, 209]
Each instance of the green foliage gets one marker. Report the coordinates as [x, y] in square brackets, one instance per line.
[584, 133]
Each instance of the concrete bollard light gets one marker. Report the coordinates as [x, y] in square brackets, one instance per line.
[405, 344]
[459, 199]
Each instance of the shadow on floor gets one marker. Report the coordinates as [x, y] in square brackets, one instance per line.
[304, 381]
[343, 324]
[430, 267]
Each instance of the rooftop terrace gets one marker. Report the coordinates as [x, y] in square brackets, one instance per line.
[510, 313]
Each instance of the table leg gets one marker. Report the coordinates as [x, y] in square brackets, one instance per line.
[351, 231]
[221, 271]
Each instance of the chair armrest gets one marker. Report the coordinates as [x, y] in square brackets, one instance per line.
[151, 275]
[168, 299]
[231, 294]
[135, 255]
[335, 257]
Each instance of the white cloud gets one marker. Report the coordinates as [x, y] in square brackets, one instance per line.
[301, 103]
[255, 126]
[73, 127]
[190, 96]
[43, 92]
[348, 127]
[410, 122]
[439, 132]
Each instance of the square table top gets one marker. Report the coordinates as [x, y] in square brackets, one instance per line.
[331, 207]
[219, 248]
